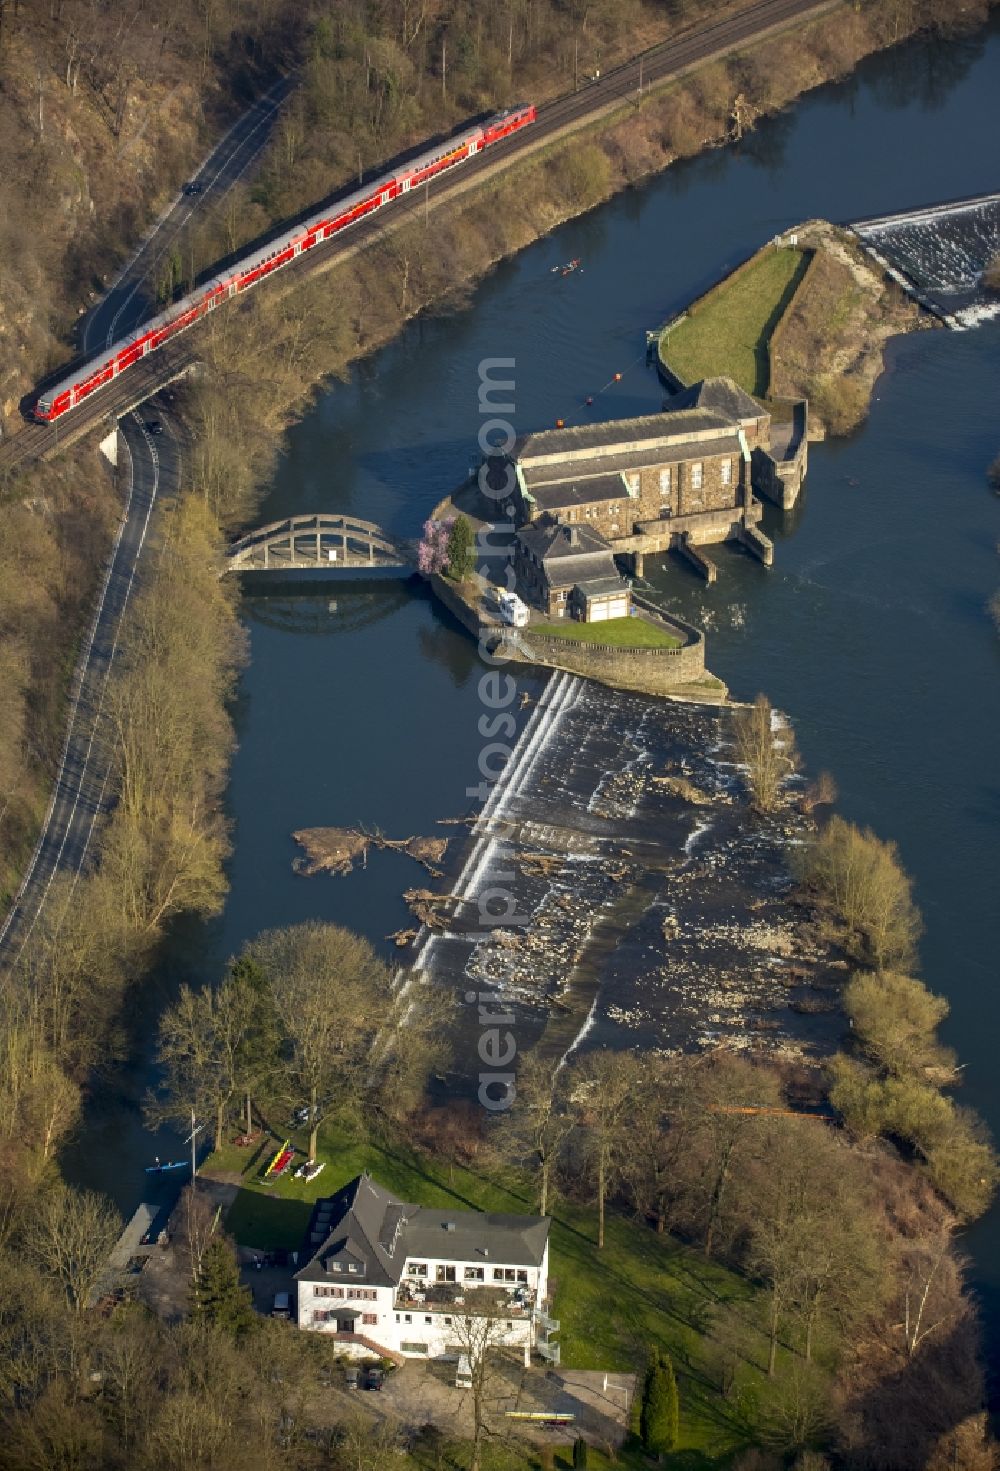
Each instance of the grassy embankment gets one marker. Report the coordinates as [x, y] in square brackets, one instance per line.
[728, 332]
[806, 321]
[641, 1288]
[620, 633]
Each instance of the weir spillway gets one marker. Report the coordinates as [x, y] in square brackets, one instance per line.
[615, 887]
[939, 254]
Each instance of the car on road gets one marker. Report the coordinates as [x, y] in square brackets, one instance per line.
[195, 187]
[154, 426]
[375, 1378]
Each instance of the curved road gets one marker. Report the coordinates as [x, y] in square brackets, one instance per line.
[150, 465]
[127, 302]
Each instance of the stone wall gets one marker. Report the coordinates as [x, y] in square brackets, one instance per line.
[651, 671]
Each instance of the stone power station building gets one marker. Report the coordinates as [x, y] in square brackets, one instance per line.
[676, 480]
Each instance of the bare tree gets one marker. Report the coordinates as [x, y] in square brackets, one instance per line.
[479, 1333]
[603, 1093]
[333, 995]
[71, 1235]
[768, 752]
[536, 1128]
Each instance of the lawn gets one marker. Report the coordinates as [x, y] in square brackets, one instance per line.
[640, 1289]
[621, 633]
[728, 331]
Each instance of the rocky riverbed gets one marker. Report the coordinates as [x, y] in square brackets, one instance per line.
[653, 907]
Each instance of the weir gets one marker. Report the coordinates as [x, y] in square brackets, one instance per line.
[938, 255]
[612, 880]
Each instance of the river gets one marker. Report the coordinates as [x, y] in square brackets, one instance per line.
[360, 704]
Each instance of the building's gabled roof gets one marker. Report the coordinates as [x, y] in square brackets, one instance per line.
[719, 395]
[349, 1227]
[367, 1226]
[551, 541]
[473, 1236]
[624, 432]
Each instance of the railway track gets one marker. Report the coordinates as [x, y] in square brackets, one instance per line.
[666, 61]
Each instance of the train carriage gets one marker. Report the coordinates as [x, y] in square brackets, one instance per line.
[63, 396]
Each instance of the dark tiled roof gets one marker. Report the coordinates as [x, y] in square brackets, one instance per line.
[468, 1236]
[617, 431]
[721, 396]
[553, 497]
[537, 476]
[367, 1225]
[349, 1227]
[601, 587]
[550, 541]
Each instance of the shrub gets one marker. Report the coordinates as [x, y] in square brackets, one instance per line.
[860, 877]
[659, 1414]
[461, 550]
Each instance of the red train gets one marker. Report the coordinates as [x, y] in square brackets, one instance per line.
[90, 377]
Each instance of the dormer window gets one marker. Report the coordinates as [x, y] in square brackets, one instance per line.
[336, 1266]
[351, 1267]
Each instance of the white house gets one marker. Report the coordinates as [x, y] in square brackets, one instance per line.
[382, 1276]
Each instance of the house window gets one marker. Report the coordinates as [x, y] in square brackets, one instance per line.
[447, 1322]
[562, 595]
[337, 1267]
[417, 1269]
[413, 1348]
[522, 1276]
[665, 482]
[571, 515]
[498, 1274]
[696, 475]
[428, 1319]
[473, 1274]
[509, 1274]
[408, 1318]
[351, 1267]
[370, 1318]
[726, 472]
[397, 1317]
[446, 1274]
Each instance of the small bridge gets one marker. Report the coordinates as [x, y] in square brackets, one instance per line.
[330, 543]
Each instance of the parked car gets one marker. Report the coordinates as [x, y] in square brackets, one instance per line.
[154, 426]
[195, 187]
[352, 1377]
[282, 1305]
[375, 1379]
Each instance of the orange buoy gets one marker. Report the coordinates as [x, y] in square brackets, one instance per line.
[618, 377]
[560, 423]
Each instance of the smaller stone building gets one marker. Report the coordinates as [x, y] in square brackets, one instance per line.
[568, 570]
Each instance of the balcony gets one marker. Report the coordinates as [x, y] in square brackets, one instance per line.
[459, 1298]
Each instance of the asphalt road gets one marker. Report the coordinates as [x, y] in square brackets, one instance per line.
[619, 85]
[128, 302]
[150, 465]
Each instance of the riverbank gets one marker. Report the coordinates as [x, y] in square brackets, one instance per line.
[806, 318]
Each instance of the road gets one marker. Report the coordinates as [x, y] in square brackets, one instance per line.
[150, 466]
[128, 301]
[615, 88]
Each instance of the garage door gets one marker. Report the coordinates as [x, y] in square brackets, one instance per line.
[618, 608]
[598, 612]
